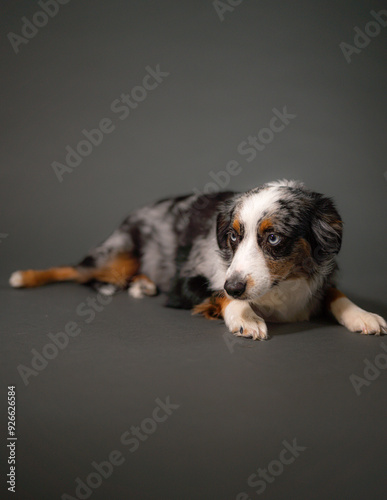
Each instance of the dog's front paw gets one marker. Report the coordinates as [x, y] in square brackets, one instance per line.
[242, 321]
[358, 320]
[255, 329]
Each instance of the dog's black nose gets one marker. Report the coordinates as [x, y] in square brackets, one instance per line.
[235, 287]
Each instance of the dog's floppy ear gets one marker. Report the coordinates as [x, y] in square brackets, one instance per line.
[326, 228]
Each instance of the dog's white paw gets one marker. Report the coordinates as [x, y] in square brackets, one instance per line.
[255, 329]
[142, 287]
[242, 321]
[358, 320]
[107, 290]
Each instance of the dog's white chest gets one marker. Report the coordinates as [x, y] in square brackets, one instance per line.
[286, 302]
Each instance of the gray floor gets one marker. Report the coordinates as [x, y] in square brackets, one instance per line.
[237, 402]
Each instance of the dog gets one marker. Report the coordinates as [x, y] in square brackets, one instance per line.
[265, 255]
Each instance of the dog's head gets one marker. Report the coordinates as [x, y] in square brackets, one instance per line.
[276, 232]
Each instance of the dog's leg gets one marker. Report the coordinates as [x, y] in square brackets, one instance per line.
[238, 315]
[142, 286]
[114, 262]
[353, 317]
[212, 308]
[243, 322]
[105, 288]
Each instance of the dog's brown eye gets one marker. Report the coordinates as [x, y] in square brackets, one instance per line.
[273, 239]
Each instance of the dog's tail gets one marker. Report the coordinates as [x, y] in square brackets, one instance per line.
[32, 278]
[118, 271]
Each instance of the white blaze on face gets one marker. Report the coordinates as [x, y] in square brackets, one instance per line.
[249, 260]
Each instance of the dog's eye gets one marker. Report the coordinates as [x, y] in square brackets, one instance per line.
[233, 236]
[273, 239]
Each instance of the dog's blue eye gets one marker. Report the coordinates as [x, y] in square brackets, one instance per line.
[274, 239]
[233, 236]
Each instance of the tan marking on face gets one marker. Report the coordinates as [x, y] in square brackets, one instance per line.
[236, 226]
[265, 224]
[280, 269]
[249, 283]
[298, 264]
[212, 308]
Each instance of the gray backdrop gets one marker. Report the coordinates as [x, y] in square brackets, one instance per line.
[227, 71]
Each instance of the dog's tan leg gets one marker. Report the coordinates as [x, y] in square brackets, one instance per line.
[212, 308]
[118, 271]
[353, 317]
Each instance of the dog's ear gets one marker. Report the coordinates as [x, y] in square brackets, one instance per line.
[223, 223]
[326, 228]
